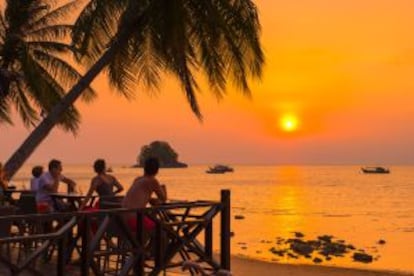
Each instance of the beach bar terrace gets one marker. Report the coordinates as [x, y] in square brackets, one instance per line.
[101, 243]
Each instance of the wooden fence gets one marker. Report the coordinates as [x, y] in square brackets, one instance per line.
[101, 242]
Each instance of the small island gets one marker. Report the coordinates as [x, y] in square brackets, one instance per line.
[167, 156]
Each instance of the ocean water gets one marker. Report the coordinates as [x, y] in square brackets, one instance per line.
[276, 201]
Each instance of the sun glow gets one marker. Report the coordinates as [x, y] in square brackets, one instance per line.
[289, 123]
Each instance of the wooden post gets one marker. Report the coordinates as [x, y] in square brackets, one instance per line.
[139, 267]
[85, 245]
[225, 230]
[159, 247]
[61, 256]
[208, 239]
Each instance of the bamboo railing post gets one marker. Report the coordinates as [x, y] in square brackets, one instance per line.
[61, 256]
[159, 246]
[225, 230]
[139, 267]
[208, 239]
[85, 245]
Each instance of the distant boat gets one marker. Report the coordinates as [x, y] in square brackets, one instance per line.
[375, 170]
[109, 170]
[220, 169]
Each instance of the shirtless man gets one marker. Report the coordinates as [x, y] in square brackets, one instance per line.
[139, 194]
[49, 183]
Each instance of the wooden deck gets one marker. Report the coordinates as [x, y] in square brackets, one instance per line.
[101, 243]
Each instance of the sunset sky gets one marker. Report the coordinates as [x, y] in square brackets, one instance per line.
[342, 71]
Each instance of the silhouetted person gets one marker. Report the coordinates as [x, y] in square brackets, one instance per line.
[104, 184]
[140, 192]
[37, 171]
[49, 183]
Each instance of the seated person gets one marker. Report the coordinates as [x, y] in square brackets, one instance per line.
[37, 171]
[49, 183]
[104, 184]
[140, 192]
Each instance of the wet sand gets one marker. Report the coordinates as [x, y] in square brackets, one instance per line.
[241, 266]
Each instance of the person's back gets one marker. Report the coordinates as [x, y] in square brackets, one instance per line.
[106, 185]
[139, 194]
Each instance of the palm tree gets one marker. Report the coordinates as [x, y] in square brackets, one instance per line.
[137, 40]
[33, 72]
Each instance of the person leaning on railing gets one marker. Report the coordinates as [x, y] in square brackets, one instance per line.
[140, 194]
[104, 184]
[49, 183]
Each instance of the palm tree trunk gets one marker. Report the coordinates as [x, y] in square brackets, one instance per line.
[42, 130]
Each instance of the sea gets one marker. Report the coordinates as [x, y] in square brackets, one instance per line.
[370, 213]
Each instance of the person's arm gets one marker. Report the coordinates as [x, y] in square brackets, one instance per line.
[119, 187]
[71, 184]
[160, 192]
[88, 196]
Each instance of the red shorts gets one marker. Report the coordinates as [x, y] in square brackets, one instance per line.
[149, 224]
[43, 207]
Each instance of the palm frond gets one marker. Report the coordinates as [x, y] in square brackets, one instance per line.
[206, 37]
[51, 32]
[51, 46]
[54, 16]
[3, 28]
[28, 115]
[5, 111]
[63, 72]
[171, 44]
[95, 27]
[47, 92]
[120, 74]
[145, 63]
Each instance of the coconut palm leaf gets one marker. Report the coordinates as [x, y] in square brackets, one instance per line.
[46, 92]
[140, 39]
[50, 32]
[24, 106]
[35, 70]
[182, 37]
[45, 18]
[62, 71]
[96, 26]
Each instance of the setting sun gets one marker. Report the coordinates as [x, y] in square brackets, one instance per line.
[289, 123]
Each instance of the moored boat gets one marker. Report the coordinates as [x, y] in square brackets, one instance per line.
[375, 170]
[220, 169]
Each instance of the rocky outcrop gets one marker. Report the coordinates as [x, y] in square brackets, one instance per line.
[324, 248]
[166, 155]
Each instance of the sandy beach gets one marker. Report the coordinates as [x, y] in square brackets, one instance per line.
[241, 266]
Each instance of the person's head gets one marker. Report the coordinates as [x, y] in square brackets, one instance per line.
[55, 167]
[37, 171]
[151, 166]
[99, 166]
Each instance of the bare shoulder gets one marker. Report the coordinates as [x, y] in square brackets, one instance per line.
[95, 180]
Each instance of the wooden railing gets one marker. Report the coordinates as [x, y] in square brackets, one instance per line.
[103, 236]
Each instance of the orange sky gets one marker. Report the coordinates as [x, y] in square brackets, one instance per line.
[345, 68]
